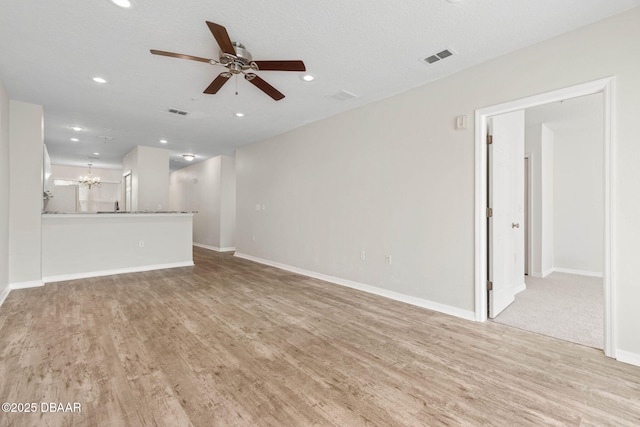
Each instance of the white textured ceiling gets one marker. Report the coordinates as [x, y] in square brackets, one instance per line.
[49, 50]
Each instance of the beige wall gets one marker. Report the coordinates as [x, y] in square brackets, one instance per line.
[25, 200]
[207, 187]
[578, 206]
[4, 193]
[149, 168]
[395, 178]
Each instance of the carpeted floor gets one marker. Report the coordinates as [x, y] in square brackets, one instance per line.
[565, 306]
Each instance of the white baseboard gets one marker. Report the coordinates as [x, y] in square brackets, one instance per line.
[215, 248]
[435, 306]
[27, 285]
[628, 357]
[579, 272]
[76, 276]
[4, 294]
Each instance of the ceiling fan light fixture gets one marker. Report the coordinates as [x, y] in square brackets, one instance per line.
[189, 157]
[126, 4]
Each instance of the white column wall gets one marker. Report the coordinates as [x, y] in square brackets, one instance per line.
[4, 193]
[25, 199]
[547, 198]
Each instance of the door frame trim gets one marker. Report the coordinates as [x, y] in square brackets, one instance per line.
[604, 86]
[529, 211]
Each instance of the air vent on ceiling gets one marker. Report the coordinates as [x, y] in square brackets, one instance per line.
[343, 95]
[179, 112]
[438, 56]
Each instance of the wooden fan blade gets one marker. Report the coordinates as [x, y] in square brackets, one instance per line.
[266, 87]
[217, 83]
[222, 37]
[281, 65]
[179, 55]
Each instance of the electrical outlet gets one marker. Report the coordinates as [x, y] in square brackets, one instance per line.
[387, 259]
[141, 243]
[363, 256]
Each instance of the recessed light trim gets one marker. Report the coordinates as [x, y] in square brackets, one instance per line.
[99, 80]
[75, 139]
[307, 77]
[189, 157]
[239, 114]
[96, 154]
[122, 3]
[163, 141]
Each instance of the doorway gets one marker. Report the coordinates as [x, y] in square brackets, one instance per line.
[563, 297]
[603, 86]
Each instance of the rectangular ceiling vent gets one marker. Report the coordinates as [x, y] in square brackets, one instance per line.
[343, 95]
[438, 56]
[178, 112]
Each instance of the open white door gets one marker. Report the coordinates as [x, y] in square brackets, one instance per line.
[506, 200]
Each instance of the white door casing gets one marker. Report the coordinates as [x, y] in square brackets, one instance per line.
[604, 86]
[506, 200]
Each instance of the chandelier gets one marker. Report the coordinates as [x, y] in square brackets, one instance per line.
[89, 180]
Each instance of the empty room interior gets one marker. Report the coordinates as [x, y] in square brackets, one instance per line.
[279, 213]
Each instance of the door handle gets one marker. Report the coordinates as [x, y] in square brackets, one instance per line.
[515, 225]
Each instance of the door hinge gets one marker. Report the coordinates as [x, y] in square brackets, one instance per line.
[489, 285]
[489, 212]
[489, 139]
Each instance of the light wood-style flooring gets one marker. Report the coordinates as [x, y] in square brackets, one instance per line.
[233, 343]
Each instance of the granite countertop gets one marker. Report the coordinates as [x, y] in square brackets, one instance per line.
[118, 212]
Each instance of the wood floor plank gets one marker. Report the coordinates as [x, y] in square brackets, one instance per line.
[229, 342]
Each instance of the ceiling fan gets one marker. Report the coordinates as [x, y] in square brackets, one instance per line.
[237, 59]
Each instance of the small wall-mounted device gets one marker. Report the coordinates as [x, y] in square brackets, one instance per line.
[462, 122]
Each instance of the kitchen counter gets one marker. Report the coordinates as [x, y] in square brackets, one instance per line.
[82, 244]
[118, 213]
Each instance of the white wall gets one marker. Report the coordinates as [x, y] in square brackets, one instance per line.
[227, 202]
[579, 200]
[25, 200]
[150, 177]
[547, 144]
[89, 245]
[394, 177]
[207, 187]
[533, 138]
[4, 193]
[130, 164]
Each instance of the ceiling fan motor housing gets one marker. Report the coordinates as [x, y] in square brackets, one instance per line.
[241, 61]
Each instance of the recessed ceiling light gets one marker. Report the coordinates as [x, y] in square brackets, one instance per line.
[308, 77]
[75, 139]
[163, 141]
[96, 154]
[99, 80]
[122, 3]
[239, 114]
[76, 128]
[189, 157]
